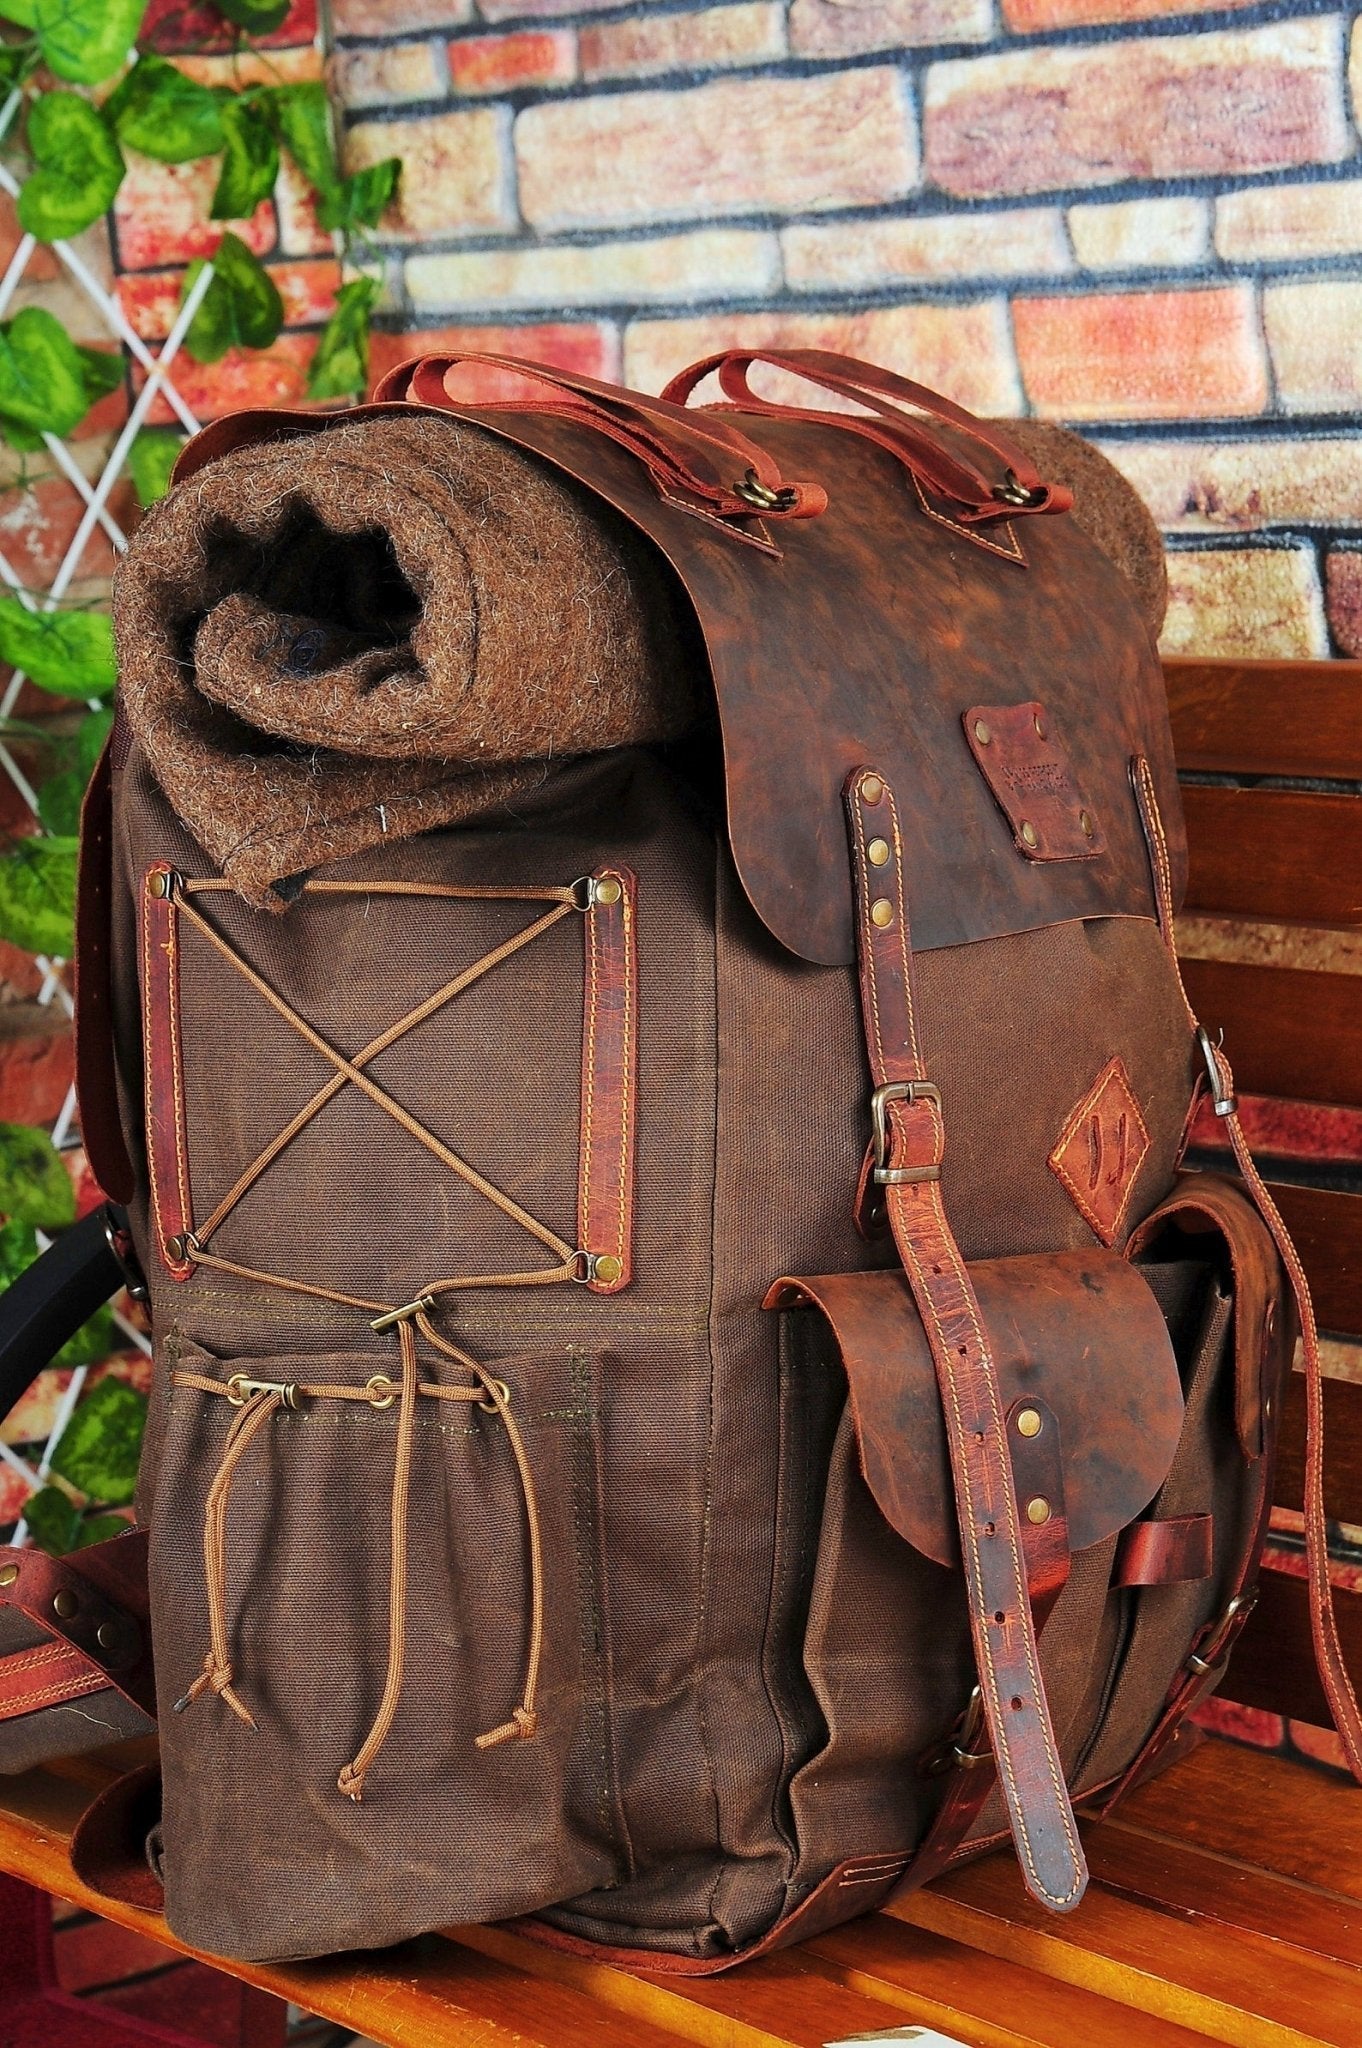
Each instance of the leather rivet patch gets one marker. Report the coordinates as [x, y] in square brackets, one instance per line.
[1101, 1150]
[1027, 766]
[881, 912]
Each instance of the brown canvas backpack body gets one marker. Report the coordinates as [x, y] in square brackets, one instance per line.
[691, 1389]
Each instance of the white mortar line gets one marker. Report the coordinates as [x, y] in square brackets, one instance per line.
[25, 1472]
[63, 1416]
[77, 478]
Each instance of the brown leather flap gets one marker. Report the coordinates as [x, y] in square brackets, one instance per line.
[1202, 1206]
[1080, 1331]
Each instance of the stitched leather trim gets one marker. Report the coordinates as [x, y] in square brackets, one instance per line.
[45, 1677]
[1101, 1149]
[609, 1079]
[1012, 553]
[167, 1138]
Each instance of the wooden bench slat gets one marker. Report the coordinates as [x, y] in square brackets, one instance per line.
[1274, 853]
[1343, 1449]
[1236, 1987]
[1327, 1229]
[1273, 1667]
[1287, 1031]
[974, 1995]
[1267, 717]
[1256, 1809]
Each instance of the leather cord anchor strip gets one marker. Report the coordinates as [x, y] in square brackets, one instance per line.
[259, 1400]
[1333, 1672]
[1002, 1624]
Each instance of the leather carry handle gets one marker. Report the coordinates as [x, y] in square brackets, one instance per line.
[941, 470]
[701, 461]
[58, 1292]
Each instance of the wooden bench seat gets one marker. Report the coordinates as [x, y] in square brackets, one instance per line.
[1226, 1895]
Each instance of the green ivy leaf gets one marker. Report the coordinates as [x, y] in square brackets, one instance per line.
[93, 1341]
[302, 120]
[250, 162]
[69, 653]
[79, 167]
[87, 40]
[38, 896]
[91, 735]
[35, 1188]
[241, 307]
[99, 1448]
[98, 1528]
[25, 12]
[59, 802]
[358, 201]
[151, 458]
[257, 17]
[18, 1250]
[341, 364]
[53, 1521]
[165, 114]
[102, 369]
[44, 377]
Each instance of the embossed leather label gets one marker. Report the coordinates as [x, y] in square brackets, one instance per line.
[1027, 767]
[1101, 1150]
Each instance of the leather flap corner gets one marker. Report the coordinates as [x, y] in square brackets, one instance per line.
[1204, 1205]
[1079, 1330]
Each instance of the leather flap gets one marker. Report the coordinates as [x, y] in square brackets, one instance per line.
[1203, 1205]
[1079, 1331]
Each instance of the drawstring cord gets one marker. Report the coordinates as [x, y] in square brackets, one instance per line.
[261, 1400]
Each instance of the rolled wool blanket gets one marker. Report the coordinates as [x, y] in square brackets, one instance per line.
[351, 635]
[355, 634]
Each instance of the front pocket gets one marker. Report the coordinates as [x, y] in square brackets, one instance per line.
[265, 1856]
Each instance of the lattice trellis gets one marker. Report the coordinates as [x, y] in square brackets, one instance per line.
[95, 497]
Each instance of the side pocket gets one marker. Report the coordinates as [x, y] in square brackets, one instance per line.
[265, 1856]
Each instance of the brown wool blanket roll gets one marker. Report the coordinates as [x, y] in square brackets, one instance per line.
[362, 633]
[357, 634]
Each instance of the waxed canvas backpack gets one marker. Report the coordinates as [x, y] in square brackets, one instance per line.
[627, 984]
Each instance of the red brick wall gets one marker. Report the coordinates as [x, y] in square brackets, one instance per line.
[1141, 217]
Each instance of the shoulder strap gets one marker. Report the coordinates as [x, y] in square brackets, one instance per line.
[909, 1145]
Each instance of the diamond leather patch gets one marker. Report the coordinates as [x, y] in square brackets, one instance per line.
[1101, 1149]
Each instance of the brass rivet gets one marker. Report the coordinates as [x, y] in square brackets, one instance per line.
[1040, 729]
[872, 789]
[1028, 1423]
[877, 853]
[1028, 833]
[608, 891]
[881, 912]
[1038, 1510]
[106, 1635]
[175, 1248]
[159, 885]
[983, 733]
[607, 1269]
[65, 1604]
[1085, 820]
[8, 1574]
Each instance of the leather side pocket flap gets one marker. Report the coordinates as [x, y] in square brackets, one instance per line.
[1079, 1331]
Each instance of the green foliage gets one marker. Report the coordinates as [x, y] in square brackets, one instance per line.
[341, 365]
[53, 1521]
[79, 167]
[38, 896]
[302, 120]
[35, 1188]
[151, 458]
[44, 377]
[86, 41]
[69, 653]
[358, 201]
[163, 112]
[257, 17]
[59, 802]
[91, 733]
[25, 12]
[240, 309]
[250, 162]
[100, 1446]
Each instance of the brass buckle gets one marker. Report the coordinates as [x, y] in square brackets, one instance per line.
[899, 1091]
[957, 1752]
[240, 1390]
[1224, 1104]
[755, 492]
[1213, 1652]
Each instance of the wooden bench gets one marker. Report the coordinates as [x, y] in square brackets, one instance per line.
[1226, 1896]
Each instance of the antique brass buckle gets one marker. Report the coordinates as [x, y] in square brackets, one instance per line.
[1224, 1104]
[899, 1091]
[1213, 1651]
[957, 1752]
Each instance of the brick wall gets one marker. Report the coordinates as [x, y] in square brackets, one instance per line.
[1140, 217]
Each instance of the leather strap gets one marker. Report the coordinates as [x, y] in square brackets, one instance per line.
[979, 497]
[1165, 1553]
[910, 1144]
[93, 1608]
[701, 462]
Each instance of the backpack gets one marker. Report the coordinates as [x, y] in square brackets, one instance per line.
[627, 985]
